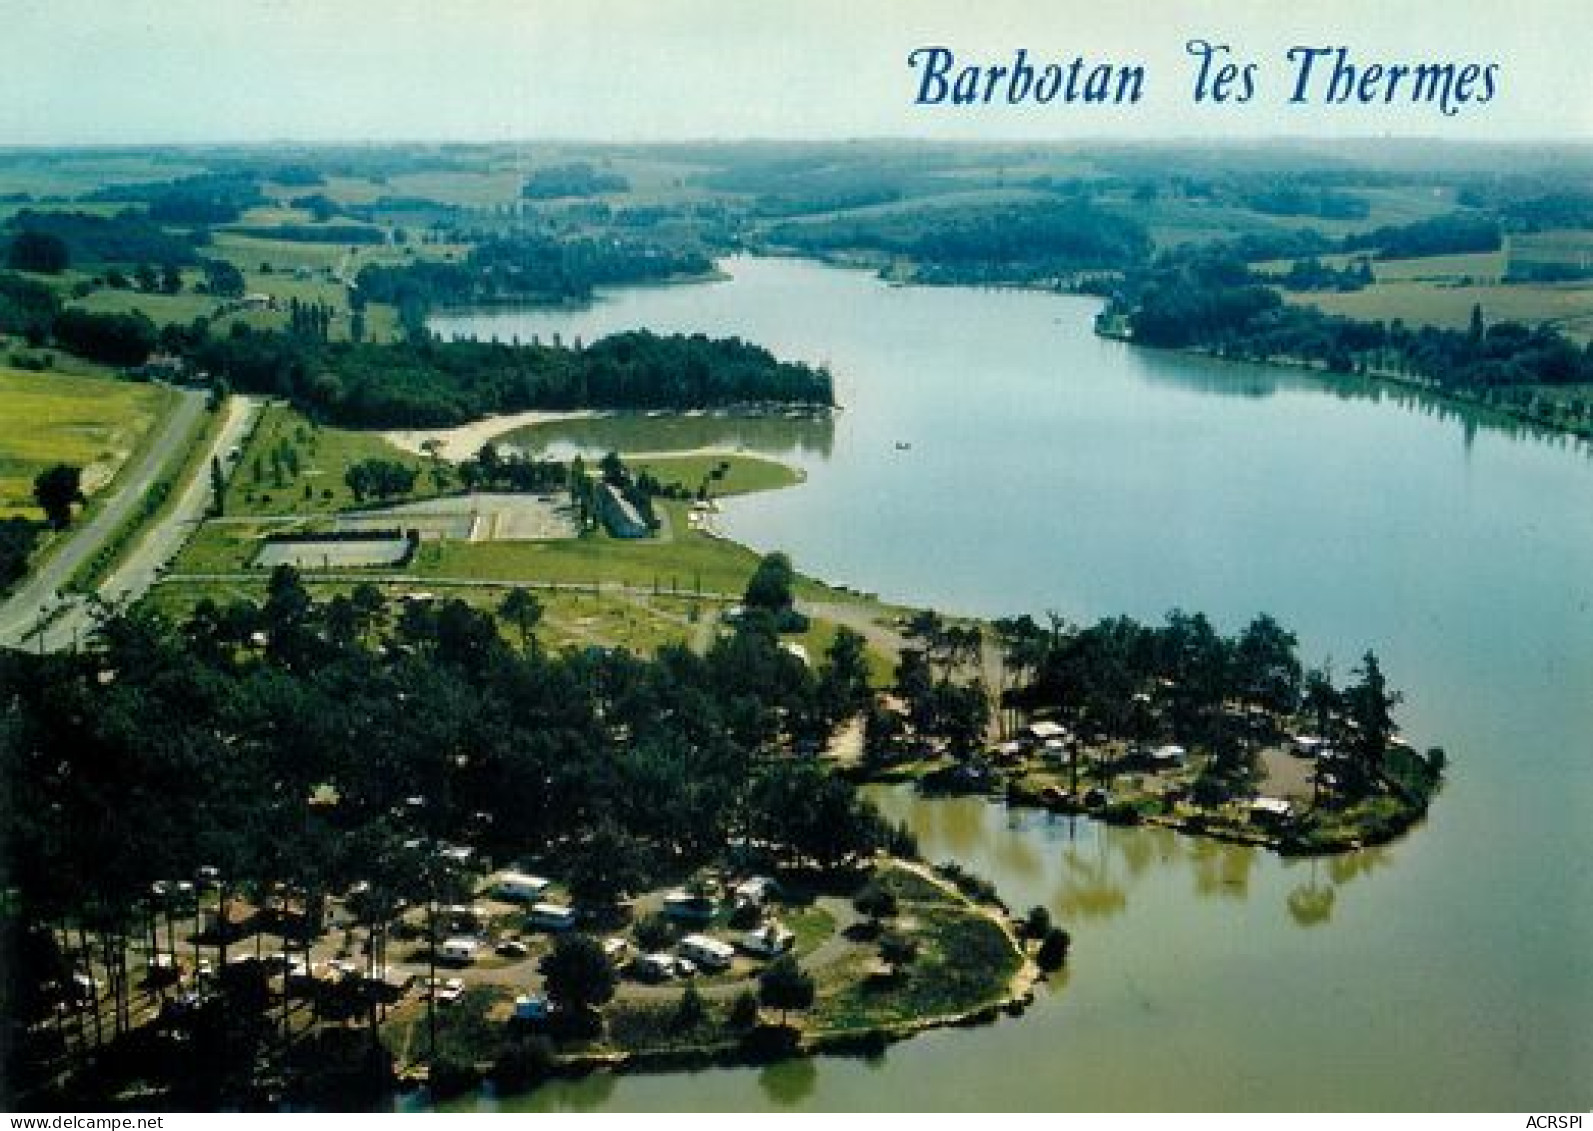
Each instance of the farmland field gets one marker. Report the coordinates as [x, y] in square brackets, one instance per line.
[90, 422]
[1566, 306]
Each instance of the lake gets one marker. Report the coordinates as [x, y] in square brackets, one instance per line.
[994, 456]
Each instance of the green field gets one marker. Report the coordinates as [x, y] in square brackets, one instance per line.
[161, 309]
[89, 422]
[722, 474]
[689, 560]
[322, 457]
[65, 173]
[1570, 248]
[1482, 267]
[1568, 306]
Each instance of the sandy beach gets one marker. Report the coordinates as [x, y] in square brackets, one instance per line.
[465, 440]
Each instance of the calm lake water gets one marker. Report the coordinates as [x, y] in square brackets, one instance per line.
[1051, 470]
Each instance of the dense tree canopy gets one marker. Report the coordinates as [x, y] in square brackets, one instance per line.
[57, 490]
[40, 252]
[441, 383]
[164, 748]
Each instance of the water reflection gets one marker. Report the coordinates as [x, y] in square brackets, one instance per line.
[1085, 870]
[1089, 890]
[1222, 869]
[1311, 903]
[788, 1082]
[1217, 377]
[802, 435]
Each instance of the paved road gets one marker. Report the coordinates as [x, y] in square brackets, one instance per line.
[20, 613]
[71, 616]
[137, 572]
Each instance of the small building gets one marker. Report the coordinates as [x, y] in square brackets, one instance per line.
[768, 941]
[618, 514]
[460, 949]
[551, 916]
[708, 953]
[519, 886]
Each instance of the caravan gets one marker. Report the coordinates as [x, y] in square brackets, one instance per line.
[708, 953]
[519, 887]
[459, 950]
[551, 916]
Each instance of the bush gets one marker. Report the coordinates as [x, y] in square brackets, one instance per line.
[875, 901]
[744, 1011]
[452, 1075]
[690, 1012]
[1054, 949]
[974, 887]
[522, 1062]
[654, 932]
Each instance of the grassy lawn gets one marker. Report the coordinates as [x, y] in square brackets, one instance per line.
[90, 422]
[639, 622]
[161, 309]
[292, 470]
[965, 961]
[811, 925]
[311, 479]
[821, 634]
[736, 474]
[690, 561]
[223, 547]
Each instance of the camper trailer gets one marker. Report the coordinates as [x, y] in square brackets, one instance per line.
[708, 953]
[459, 949]
[519, 887]
[551, 916]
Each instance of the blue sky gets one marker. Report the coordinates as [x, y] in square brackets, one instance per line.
[138, 71]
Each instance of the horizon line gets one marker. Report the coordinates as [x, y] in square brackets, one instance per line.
[766, 139]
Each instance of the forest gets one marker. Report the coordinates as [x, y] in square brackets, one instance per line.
[429, 383]
[527, 267]
[1214, 302]
[303, 746]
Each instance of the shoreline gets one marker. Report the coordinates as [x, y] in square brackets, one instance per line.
[460, 442]
[755, 1046]
[1506, 415]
